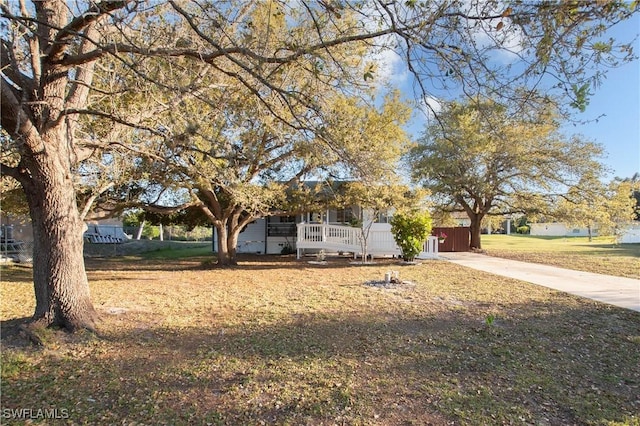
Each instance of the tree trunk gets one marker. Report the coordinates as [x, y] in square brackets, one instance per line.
[59, 276]
[232, 245]
[476, 221]
[225, 257]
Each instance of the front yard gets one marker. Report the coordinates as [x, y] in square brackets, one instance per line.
[279, 341]
[601, 256]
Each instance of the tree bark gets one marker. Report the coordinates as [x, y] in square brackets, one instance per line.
[59, 276]
[476, 221]
[232, 245]
[44, 139]
[226, 253]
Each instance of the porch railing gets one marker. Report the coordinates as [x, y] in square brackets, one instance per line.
[349, 239]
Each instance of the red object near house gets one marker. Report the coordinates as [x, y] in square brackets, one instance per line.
[457, 239]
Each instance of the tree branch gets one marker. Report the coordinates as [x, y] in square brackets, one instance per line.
[16, 122]
[96, 11]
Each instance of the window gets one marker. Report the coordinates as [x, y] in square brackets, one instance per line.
[287, 219]
[383, 217]
[283, 226]
[345, 215]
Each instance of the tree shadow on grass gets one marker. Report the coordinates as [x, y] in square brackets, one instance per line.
[17, 272]
[245, 262]
[631, 250]
[536, 363]
[10, 332]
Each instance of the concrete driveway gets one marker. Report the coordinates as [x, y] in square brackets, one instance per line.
[618, 291]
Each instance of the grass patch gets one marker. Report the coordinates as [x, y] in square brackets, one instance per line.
[602, 255]
[148, 249]
[179, 252]
[279, 341]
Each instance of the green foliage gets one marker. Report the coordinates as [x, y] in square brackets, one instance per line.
[410, 231]
[136, 218]
[132, 218]
[593, 204]
[490, 320]
[380, 197]
[190, 218]
[483, 158]
[634, 184]
[524, 229]
[12, 198]
[150, 231]
[581, 96]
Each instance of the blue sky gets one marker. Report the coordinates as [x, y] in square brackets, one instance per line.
[611, 119]
[618, 98]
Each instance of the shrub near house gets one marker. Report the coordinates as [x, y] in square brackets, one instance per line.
[410, 231]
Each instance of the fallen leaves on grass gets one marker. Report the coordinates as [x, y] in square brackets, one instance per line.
[276, 341]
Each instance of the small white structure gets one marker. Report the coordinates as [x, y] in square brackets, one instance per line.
[630, 234]
[556, 229]
[104, 234]
[461, 219]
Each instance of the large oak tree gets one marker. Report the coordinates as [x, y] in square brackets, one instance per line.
[248, 166]
[483, 160]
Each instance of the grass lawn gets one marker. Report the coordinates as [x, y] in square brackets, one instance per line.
[280, 341]
[601, 255]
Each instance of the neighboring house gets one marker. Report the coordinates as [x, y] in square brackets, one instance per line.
[105, 231]
[630, 234]
[100, 231]
[16, 238]
[556, 229]
[461, 218]
[16, 228]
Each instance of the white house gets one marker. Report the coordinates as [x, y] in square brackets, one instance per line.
[556, 229]
[630, 234]
[329, 230]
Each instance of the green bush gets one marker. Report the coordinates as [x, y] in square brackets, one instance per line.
[150, 231]
[410, 231]
[524, 229]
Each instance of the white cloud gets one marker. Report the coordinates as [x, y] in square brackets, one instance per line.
[429, 105]
[390, 67]
[499, 35]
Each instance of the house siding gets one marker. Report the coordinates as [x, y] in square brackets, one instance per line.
[553, 229]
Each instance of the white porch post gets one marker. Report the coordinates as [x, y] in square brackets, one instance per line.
[299, 237]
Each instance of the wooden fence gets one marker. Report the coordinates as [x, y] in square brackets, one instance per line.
[457, 239]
